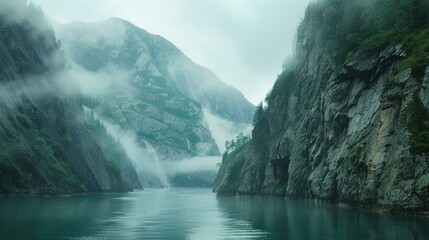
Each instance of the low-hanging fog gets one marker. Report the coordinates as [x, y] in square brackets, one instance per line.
[224, 130]
[74, 80]
[98, 83]
[191, 165]
[145, 158]
[243, 42]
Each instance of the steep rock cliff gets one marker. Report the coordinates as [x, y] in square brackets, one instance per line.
[148, 98]
[153, 60]
[351, 132]
[147, 87]
[45, 145]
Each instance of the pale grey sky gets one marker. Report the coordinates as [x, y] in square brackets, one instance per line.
[244, 42]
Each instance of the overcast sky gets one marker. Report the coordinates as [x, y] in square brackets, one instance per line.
[244, 42]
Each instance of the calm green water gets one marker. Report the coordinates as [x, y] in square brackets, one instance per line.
[195, 214]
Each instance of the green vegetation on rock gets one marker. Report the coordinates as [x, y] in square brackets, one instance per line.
[116, 156]
[418, 125]
[153, 96]
[45, 146]
[355, 25]
[234, 145]
[349, 122]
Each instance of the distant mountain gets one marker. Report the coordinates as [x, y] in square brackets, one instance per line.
[139, 99]
[154, 60]
[146, 86]
[46, 143]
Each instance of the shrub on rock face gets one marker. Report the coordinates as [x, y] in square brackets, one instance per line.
[418, 125]
[355, 132]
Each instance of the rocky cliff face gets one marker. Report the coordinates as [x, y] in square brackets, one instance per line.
[149, 88]
[149, 98]
[340, 132]
[45, 145]
[153, 61]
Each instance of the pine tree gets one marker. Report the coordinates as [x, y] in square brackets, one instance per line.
[258, 114]
[416, 15]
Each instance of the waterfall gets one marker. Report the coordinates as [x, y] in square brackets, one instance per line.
[159, 169]
[189, 144]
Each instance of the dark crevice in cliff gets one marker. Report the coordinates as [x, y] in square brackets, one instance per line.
[340, 119]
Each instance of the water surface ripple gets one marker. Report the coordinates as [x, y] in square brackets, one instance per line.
[195, 214]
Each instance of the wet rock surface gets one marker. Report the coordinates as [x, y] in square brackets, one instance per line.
[341, 134]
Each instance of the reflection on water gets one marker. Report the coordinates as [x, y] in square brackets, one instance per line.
[195, 214]
[295, 219]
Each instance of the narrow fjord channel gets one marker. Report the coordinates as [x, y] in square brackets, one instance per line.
[195, 214]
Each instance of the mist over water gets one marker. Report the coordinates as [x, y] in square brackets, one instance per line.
[224, 130]
[195, 164]
[145, 160]
[159, 169]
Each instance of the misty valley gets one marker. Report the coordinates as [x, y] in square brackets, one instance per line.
[108, 131]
